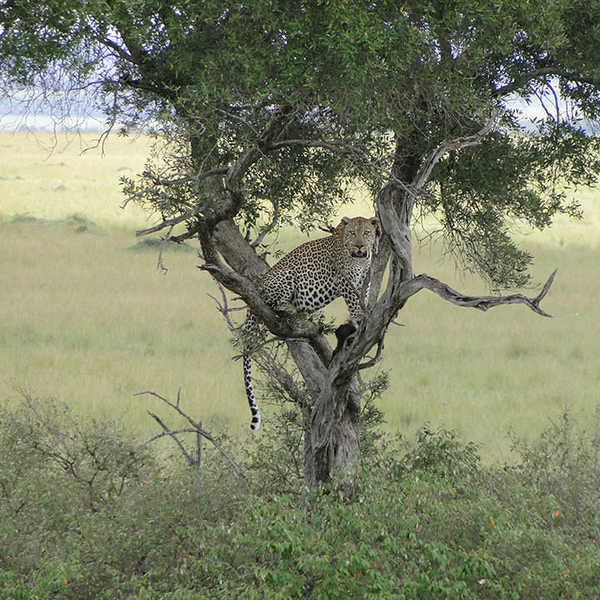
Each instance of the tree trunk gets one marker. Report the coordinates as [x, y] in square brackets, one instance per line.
[331, 421]
[334, 436]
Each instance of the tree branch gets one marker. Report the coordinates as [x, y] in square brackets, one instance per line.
[197, 212]
[423, 281]
[333, 145]
[462, 142]
[171, 434]
[197, 428]
[509, 88]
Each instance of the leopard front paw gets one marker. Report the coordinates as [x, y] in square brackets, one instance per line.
[343, 332]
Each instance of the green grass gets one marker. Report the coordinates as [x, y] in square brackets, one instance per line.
[91, 322]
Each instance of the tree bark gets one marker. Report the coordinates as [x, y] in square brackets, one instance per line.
[335, 436]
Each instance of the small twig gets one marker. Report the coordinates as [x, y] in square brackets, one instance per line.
[223, 306]
[158, 436]
[163, 242]
[171, 222]
[373, 361]
[326, 227]
[267, 228]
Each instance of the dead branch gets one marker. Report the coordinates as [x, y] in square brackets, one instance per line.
[284, 379]
[484, 303]
[197, 212]
[173, 436]
[196, 428]
[223, 306]
[163, 242]
[375, 359]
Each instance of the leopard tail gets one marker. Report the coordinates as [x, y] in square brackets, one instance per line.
[255, 422]
[249, 333]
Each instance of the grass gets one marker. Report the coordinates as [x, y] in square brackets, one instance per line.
[53, 176]
[90, 322]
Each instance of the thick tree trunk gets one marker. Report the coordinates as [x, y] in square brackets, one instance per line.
[334, 436]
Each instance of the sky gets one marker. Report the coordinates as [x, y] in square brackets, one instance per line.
[18, 113]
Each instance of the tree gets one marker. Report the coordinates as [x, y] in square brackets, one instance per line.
[264, 110]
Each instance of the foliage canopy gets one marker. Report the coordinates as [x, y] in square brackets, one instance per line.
[368, 88]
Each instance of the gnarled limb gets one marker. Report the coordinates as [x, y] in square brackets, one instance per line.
[484, 303]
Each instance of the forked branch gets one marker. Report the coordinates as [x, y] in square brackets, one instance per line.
[484, 303]
[196, 427]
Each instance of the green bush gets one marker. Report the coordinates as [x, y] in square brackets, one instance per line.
[430, 522]
[564, 465]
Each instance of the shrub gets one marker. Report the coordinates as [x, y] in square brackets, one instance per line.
[564, 466]
[430, 522]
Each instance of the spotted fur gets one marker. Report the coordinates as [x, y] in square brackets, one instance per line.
[313, 275]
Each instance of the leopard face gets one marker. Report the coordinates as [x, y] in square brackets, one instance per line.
[359, 236]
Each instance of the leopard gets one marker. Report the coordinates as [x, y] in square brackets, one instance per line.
[313, 275]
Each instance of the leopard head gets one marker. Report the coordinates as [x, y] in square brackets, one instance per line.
[360, 236]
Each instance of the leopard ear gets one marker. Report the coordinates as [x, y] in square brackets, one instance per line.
[345, 220]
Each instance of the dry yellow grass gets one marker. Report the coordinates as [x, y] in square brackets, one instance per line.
[52, 176]
[88, 321]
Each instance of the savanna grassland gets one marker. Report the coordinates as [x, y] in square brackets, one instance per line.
[88, 512]
[89, 319]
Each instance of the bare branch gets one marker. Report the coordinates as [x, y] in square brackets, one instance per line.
[159, 263]
[283, 378]
[373, 361]
[197, 212]
[223, 306]
[479, 302]
[197, 428]
[158, 436]
[172, 435]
